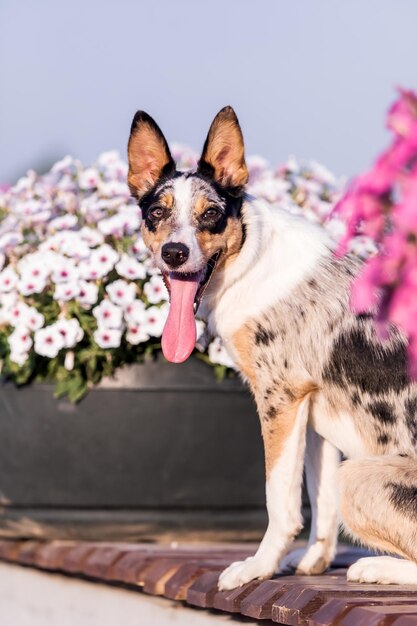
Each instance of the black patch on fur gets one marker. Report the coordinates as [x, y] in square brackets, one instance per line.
[403, 498]
[356, 399]
[271, 413]
[312, 283]
[288, 392]
[264, 336]
[383, 411]
[369, 366]
[383, 439]
[285, 363]
[410, 407]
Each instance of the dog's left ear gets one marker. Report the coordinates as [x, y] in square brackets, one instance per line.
[223, 157]
[149, 155]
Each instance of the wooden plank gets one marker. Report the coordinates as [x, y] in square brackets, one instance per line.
[304, 598]
[202, 591]
[378, 615]
[259, 602]
[230, 601]
[334, 609]
[178, 585]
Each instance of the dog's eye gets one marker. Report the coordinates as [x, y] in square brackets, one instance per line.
[156, 213]
[211, 213]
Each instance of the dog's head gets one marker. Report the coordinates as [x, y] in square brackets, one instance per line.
[191, 220]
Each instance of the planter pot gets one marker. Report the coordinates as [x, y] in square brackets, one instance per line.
[161, 450]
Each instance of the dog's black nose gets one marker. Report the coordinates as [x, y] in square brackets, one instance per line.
[175, 254]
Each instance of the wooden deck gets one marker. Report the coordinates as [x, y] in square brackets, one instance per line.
[189, 574]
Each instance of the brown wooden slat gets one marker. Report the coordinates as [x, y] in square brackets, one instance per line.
[405, 620]
[73, 560]
[304, 597]
[334, 609]
[51, 555]
[258, 603]
[158, 573]
[26, 553]
[100, 560]
[378, 615]
[202, 591]
[9, 550]
[230, 601]
[128, 568]
[176, 588]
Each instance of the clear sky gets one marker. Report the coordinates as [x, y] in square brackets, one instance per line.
[306, 77]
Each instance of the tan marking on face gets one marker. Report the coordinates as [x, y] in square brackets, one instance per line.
[202, 204]
[154, 240]
[167, 200]
[229, 241]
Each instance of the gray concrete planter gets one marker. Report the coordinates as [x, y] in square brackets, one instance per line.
[161, 451]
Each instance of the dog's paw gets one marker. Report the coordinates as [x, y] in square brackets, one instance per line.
[314, 559]
[241, 572]
[385, 570]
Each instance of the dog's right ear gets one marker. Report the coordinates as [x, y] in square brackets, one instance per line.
[148, 153]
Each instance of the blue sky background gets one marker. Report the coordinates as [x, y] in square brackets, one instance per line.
[306, 77]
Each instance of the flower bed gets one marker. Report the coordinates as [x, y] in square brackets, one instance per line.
[79, 296]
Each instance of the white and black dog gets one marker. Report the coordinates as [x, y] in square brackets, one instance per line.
[322, 380]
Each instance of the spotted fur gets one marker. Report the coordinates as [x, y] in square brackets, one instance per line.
[279, 299]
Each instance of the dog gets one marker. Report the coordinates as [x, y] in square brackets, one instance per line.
[324, 383]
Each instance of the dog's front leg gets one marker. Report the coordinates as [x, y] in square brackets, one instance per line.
[321, 462]
[284, 431]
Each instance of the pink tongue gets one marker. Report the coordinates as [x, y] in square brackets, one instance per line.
[179, 335]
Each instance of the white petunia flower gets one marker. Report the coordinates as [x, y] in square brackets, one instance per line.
[218, 353]
[17, 313]
[20, 339]
[70, 330]
[129, 267]
[155, 319]
[136, 334]
[65, 271]
[64, 222]
[91, 236]
[49, 341]
[88, 293]
[135, 313]
[108, 315]
[19, 358]
[92, 270]
[33, 319]
[8, 279]
[121, 292]
[89, 178]
[75, 247]
[155, 290]
[10, 240]
[34, 266]
[139, 249]
[104, 256]
[8, 299]
[107, 337]
[28, 284]
[66, 291]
